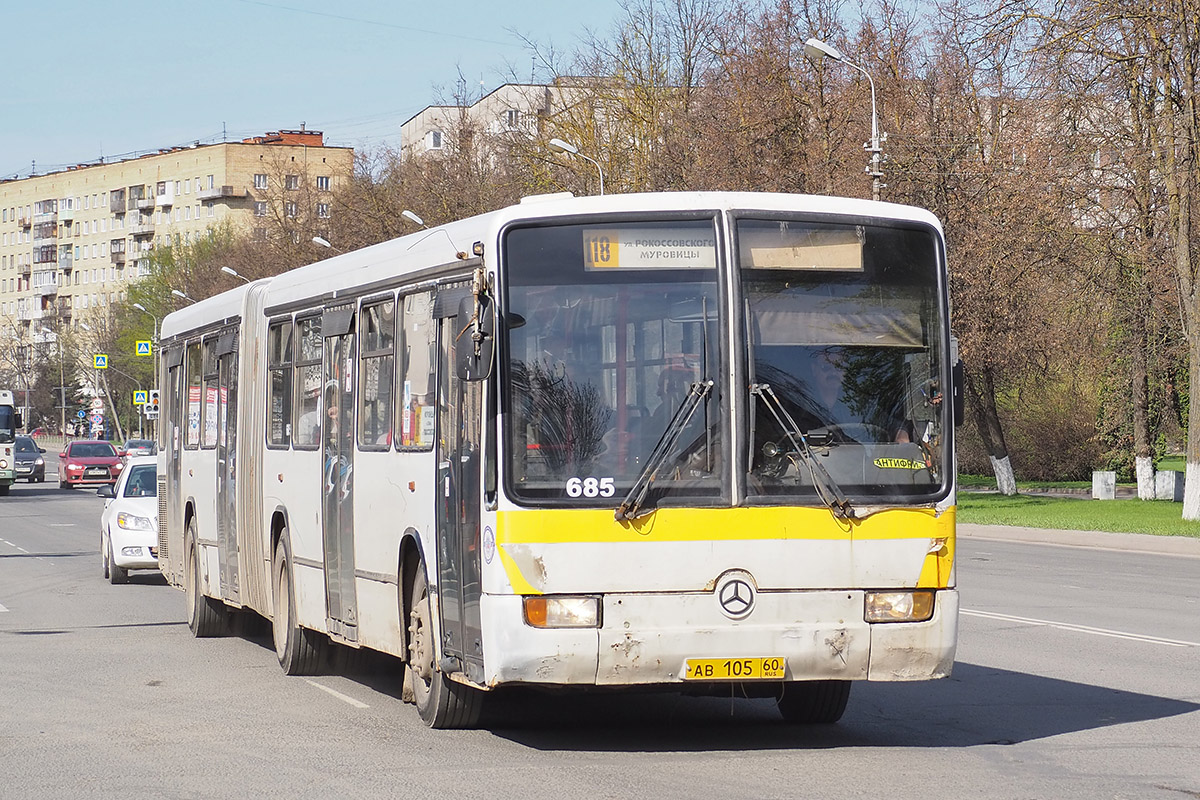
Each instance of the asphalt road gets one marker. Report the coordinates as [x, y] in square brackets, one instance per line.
[1078, 677]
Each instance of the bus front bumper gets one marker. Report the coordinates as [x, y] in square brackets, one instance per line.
[651, 638]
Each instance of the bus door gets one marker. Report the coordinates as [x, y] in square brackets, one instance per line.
[458, 508]
[176, 413]
[337, 481]
[227, 465]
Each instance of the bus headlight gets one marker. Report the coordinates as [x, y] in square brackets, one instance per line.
[562, 612]
[898, 606]
[3, 464]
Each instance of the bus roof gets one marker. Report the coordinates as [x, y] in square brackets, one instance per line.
[453, 242]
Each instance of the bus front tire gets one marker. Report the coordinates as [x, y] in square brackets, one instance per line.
[441, 702]
[813, 702]
[206, 616]
[300, 651]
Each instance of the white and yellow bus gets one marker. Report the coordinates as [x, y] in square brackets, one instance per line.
[699, 441]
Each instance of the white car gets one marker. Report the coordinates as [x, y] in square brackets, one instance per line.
[129, 522]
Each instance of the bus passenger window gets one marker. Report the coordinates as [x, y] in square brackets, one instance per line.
[376, 375]
[307, 431]
[418, 343]
[279, 399]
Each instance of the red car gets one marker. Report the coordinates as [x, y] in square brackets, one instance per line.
[88, 462]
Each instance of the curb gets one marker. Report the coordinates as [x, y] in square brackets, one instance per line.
[1103, 540]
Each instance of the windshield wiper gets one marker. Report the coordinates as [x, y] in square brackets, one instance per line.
[827, 489]
[658, 456]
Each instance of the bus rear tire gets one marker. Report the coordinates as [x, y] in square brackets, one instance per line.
[206, 616]
[441, 702]
[813, 702]
[300, 651]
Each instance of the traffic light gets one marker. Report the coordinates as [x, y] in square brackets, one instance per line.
[151, 407]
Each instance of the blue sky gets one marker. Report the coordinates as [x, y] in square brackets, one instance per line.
[88, 78]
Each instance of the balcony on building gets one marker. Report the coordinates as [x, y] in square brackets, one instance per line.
[117, 257]
[46, 290]
[143, 204]
[24, 269]
[116, 201]
[218, 192]
[64, 311]
[27, 314]
[164, 194]
[24, 218]
[143, 228]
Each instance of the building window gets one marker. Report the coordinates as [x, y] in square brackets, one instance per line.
[211, 181]
[260, 181]
[291, 182]
[511, 118]
[290, 210]
[323, 183]
[433, 140]
[323, 210]
[260, 208]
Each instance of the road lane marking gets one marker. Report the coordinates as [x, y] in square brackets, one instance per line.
[2, 608]
[344, 698]
[1064, 626]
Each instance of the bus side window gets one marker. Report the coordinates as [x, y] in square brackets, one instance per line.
[306, 433]
[417, 344]
[279, 399]
[376, 375]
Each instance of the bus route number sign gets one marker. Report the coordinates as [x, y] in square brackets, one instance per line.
[648, 248]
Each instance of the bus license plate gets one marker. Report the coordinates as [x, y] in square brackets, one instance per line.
[738, 669]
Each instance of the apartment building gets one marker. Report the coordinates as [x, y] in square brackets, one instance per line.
[511, 109]
[72, 241]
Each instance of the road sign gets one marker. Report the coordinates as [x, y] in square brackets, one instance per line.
[143, 347]
[100, 361]
[139, 397]
[97, 419]
[97, 404]
[81, 414]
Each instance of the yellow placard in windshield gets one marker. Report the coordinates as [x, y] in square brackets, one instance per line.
[898, 463]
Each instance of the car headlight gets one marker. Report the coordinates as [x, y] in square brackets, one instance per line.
[898, 606]
[562, 612]
[74, 466]
[132, 522]
[39, 461]
[117, 466]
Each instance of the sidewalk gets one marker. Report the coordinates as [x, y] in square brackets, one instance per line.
[1130, 542]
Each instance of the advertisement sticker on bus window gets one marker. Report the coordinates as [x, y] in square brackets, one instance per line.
[648, 248]
[428, 425]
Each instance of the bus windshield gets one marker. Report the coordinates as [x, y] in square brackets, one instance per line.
[609, 327]
[845, 327]
[8, 428]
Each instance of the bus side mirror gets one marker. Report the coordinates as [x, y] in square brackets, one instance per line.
[17, 423]
[476, 345]
[957, 379]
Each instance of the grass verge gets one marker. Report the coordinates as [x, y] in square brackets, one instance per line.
[1159, 517]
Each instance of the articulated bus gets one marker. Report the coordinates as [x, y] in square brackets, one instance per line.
[688, 441]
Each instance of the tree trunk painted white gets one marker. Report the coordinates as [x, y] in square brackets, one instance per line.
[1006, 482]
[1191, 492]
[1144, 469]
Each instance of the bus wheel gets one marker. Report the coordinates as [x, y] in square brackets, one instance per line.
[300, 651]
[206, 616]
[442, 703]
[813, 702]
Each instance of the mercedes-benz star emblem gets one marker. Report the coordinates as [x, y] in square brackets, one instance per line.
[736, 597]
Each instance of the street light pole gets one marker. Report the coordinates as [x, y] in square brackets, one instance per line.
[559, 146]
[154, 355]
[816, 49]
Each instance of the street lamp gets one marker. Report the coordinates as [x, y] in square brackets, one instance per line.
[181, 295]
[234, 273]
[62, 384]
[411, 217]
[323, 242]
[816, 50]
[559, 146]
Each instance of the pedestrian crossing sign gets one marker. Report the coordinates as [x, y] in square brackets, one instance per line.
[143, 347]
[100, 361]
[140, 397]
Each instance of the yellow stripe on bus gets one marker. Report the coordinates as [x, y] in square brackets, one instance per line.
[558, 526]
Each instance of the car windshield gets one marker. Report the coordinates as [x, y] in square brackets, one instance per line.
[609, 328]
[846, 329]
[26, 446]
[92, 450]
[142, 481]
[138, 444]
